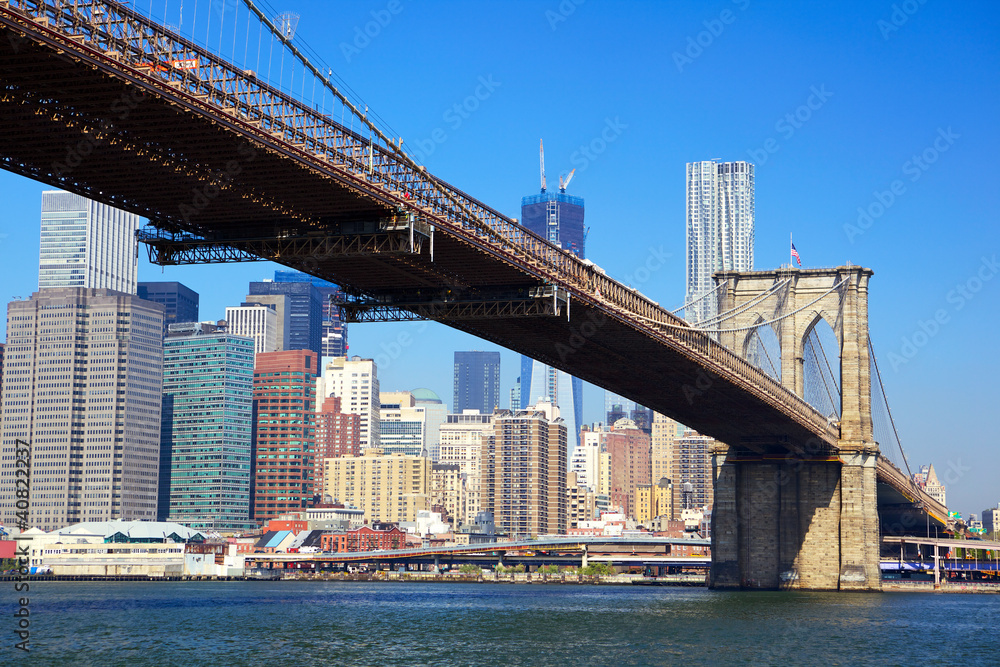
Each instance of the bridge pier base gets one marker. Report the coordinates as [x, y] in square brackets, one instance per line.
[794, 522]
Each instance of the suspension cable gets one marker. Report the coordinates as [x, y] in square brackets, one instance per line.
[700, 298]
[390, 144]
[899, 443]
[776, 372]
[732, 312]
[826, 358]
[822, 376]
[746, 328]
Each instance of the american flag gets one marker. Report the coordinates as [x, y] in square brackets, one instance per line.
[795, 254]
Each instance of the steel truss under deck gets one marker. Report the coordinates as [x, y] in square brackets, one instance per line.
[409, 305]
[402, 235]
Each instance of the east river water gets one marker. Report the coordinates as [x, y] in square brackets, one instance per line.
[364, 623]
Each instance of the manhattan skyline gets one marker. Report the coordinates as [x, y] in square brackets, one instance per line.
[864, 128]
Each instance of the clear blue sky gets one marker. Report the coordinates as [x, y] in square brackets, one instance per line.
[885, 87]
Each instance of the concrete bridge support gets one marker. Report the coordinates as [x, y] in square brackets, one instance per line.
[790, 522]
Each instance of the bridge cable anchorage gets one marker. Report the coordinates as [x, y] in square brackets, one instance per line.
[752, 326]
[732, 312]
[899, 443]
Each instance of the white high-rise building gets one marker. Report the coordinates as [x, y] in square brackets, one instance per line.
[462, 444]
[402, 424]
[259, 322]
[83, 376]
[720, 229]
[86, 244]
[281, 305]
[355, 381]
[590, 460]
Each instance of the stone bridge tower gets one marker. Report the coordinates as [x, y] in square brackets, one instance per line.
[801, 515]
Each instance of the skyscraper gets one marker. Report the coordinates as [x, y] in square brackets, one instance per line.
[462, 445]
[388, 487]
[630, 463]
[403, 425]
[591, 461]
[333, 336]
[206, 439]
[86, 244]
[558, 218]
[540, 382]
[284, 390]
[720, 229]
[691, 472]
[338, 433]
[83, 385]
[355, 381]
[665, 433]
[477, 381]
[279, 303]
[523, 471]
[305, 312]
[256, 321]
[180, 303]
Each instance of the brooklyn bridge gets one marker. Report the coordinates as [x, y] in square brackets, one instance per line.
[233, 160]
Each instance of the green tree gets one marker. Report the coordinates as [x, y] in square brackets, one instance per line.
[598, 569]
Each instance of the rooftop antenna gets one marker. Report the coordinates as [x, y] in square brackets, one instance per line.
[541, 162]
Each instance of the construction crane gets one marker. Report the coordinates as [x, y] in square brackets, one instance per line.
[541, 162]
[564, 185]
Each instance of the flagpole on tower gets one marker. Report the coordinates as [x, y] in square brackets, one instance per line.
[791, 244]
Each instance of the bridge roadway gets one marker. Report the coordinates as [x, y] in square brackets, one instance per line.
[654, 551]
[228, 168]
[918, 559]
